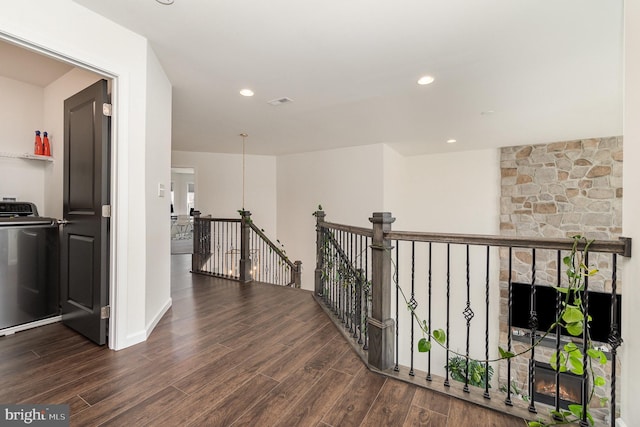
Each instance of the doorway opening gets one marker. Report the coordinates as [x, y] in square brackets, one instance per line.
[52, 79]
[183, 204]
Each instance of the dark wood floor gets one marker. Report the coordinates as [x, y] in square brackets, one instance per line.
[225, 354]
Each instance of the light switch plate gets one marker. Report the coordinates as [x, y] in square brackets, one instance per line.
[160, 190]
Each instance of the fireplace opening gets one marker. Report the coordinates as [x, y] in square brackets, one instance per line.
[601, 307]
[545, 388]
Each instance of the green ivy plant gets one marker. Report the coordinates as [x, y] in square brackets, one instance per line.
[477, 373]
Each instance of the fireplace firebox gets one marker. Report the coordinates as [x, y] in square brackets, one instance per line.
[545, 388]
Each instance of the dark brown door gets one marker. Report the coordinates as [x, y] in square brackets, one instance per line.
[84, 278]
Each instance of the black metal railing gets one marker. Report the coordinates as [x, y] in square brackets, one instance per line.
[234, 248]
[269, 263]
[475, 288]
[345, 277]
[216, 249]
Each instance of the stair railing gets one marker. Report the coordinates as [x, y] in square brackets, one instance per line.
[235, 248]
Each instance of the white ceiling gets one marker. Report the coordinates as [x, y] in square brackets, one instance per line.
[544, 70]
[20, 64]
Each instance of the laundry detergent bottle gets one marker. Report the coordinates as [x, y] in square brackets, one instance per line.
[46, 147]
[38, 149]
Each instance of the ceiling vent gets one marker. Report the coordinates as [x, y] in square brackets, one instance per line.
[280, 101]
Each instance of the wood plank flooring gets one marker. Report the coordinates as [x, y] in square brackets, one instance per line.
[224, 355]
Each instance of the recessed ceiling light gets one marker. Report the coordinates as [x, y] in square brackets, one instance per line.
[425, 80]
[246, 92]
[165, 2]
[487, 112]
[450, 141]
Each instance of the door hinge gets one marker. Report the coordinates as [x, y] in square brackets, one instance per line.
[106, 211]
[105, 312]
[106, 109]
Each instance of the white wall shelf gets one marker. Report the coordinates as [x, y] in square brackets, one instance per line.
[26, 156]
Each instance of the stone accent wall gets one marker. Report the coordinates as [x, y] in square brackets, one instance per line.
[558, 190]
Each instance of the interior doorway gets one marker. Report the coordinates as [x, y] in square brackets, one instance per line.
[183, 204]
[51, 78]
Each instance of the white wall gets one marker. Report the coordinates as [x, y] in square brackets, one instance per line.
[631, 218]
[21, 113]
[54, 96]
[396, 193]
[157, 173]
[218, 185]
[449, 193]
[74, 32]
[455, 192]
[346, 182]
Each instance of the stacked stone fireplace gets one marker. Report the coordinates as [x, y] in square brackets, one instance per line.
[558, 190]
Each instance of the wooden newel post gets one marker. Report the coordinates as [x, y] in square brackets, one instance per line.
[319, 252]
[381, 326]
[245, 259]
[297, 274]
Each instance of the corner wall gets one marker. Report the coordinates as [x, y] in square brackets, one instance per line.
[157, 173]
[123, 54]
[346, 182]
[630, 218]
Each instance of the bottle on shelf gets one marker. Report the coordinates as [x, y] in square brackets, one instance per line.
[46, 147]
[38, 149]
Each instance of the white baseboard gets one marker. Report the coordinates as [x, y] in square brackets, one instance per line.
[154, 322]
[142, 336]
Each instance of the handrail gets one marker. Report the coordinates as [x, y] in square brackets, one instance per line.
[367, 232]
[208, 218]
[343, 256]
[268, 241]
[620, 247]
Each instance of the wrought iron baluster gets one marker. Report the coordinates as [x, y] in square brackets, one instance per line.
[446, 379]
[507, 400]
[397, 281]
[558, 333]
[468, 315]
[218, 250]
[533, 324]
[358, 290]
[334, 303]
[413, 304]
[351, 284]
[486, 332]
[340, 284]
[429, 281]
[363, 318]
[614, 338]
[585, 346]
